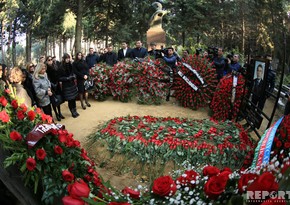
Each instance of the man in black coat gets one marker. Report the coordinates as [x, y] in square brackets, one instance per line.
[139, 51]
[124, 52]
[110, 58]
[92, 58]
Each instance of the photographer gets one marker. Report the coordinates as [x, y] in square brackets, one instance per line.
[170, 58]
[233, 64]
[219, 63]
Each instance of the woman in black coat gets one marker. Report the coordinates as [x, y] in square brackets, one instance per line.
[68, 86]
[81, 70]
[52, 74]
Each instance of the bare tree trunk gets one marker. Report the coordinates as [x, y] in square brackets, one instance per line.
[53, 46]
[46, 46]
[2, 44]
[60, 47]
[14, 42]
[28, 45]
[78, 37]
[64, 40]
[183, 38]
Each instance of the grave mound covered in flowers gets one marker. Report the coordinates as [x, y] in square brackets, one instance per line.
[155, 140]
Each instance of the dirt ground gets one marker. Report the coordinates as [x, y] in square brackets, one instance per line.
[89, 120]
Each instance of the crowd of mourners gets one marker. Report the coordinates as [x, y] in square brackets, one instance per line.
[49, 83]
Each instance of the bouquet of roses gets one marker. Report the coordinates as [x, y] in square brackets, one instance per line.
[101, 78]
[50, 159]
[224, 105]
[150, 82]
[199, 89]
[121, 81]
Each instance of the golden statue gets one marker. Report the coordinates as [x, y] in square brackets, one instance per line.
[156, 18]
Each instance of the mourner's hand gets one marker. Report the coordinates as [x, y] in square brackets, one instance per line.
[85, 77]
[229, 61]
[49, 93]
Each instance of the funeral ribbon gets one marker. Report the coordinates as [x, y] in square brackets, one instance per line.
[194, 72]
[193, 86]
[39, 131]
[263, 150]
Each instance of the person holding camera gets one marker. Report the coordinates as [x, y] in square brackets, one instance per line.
[234, 65]
[170, 59]
[219, 63]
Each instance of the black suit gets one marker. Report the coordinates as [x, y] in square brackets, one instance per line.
[258, 97]
[139, 53]
[121, 55]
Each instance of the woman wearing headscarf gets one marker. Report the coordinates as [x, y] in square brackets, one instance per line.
[81, 69]
[69, 88]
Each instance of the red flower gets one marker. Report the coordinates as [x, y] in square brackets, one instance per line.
[244, 181]
[31, 115]
[287, 145]
[265, 182]
[30, 164]
[62, 138]
[15, 136]
[40, 154]
[79, 189]
[67, 176]
[3, 101]
[68, 200]
[164, 186]
[278, 144]
[58, 150]
[14, 104]
[4, 117]
[132, 193]
[187, 178]
[210, 171]
[215, 186]
[23, 107]
[20, 115]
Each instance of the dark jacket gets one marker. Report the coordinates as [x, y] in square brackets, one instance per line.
[170, 60]
[121, 54]
[110, 58]
[28, 86]
[67, 77]
[139, 53]
[219, 63]
[92, 60]
[80, 68]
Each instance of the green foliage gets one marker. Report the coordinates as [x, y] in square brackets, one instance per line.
[152, 140]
